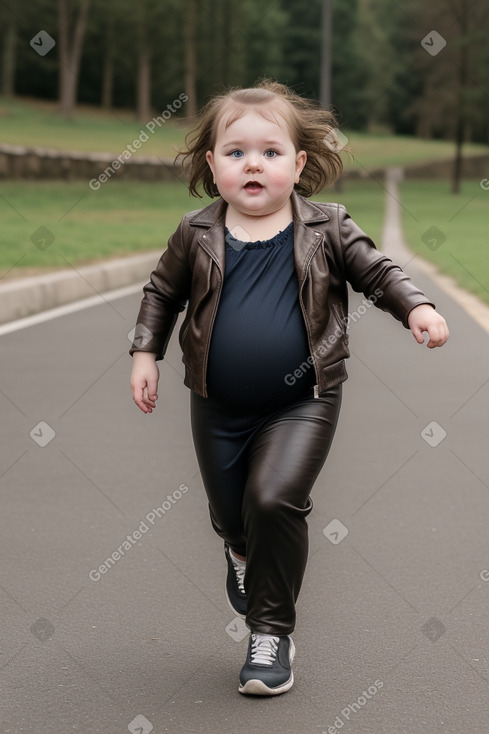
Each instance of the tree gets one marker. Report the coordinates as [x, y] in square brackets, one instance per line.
[71, 35]
[453, 92]
[380, 58]
[301, 46]
[109, 66]
[326, 52]
[190, 57]
[157, 46]
[143, 101]
[9, 24]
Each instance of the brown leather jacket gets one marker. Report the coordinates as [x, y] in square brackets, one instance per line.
[329, 250]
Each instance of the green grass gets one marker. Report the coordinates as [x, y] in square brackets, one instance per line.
[380, 151]
[121, 218]
[463, 221]
[34, 122]
[37, 123]
[364, 201]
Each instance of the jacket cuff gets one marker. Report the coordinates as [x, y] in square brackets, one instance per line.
[421, 303]
[158, 356]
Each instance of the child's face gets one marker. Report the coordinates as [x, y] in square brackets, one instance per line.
[255, 164]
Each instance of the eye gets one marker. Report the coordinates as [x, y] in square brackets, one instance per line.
[270, 153]
[236, 153]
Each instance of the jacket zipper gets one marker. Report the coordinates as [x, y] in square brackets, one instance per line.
[316, 386]
[208, 342]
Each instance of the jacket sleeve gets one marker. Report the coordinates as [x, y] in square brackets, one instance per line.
[374, 274]
[165, 296]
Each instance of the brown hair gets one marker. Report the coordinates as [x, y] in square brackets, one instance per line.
[312, 129]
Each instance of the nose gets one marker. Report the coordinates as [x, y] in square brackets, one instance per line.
[253, 162]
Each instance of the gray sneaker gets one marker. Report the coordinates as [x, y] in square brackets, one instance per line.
[268, 667]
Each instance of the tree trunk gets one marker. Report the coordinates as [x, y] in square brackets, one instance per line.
[461, 112]
[8, 59]
[326, 54]
[70, 49]
[144, 82]
[190, 61]
[108, 72]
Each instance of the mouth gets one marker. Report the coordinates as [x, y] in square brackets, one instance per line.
[253, 186]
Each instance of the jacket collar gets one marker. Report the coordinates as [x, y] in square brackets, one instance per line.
[306, 239]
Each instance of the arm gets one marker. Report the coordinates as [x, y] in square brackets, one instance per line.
[165, 296]
[374, 274]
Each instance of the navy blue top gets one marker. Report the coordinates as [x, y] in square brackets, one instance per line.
[259, 335]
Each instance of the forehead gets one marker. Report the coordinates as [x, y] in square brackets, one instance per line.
[276, 113]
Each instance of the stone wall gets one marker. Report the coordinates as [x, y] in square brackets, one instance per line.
[21, 162]
[473, 166]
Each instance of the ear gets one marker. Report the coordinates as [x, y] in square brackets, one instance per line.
[300, 162]
[209, 156]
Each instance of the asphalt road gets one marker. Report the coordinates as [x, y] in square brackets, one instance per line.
[392, 633]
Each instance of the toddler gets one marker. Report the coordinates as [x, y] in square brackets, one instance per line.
[263, 274]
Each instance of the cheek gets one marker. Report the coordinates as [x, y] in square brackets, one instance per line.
[226, 176]
[283, 176]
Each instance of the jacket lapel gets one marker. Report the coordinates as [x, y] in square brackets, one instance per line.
[307, 237]
[212, 217]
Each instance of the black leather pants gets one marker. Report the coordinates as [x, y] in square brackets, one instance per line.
[258, 472]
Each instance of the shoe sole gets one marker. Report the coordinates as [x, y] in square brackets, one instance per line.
[256, 687]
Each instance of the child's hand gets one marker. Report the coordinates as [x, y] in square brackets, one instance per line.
[425, 318]
[144, 381]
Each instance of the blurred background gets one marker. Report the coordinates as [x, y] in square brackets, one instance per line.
[409, 83]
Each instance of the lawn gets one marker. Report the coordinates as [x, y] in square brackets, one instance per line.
[364, 201]
[121, 218]
[450, 230]
[35, 122]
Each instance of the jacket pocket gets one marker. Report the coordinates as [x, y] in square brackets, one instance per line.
[184, 331]
[341, 320]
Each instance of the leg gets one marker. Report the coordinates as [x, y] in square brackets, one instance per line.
[286, 455]
[221, 441]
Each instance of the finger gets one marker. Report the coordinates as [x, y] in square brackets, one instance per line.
[432, 332]
[418, 334]
[139, 398]
[147, 400]
[142, 404]
[434, 339]
[438, 336]
[153, 390]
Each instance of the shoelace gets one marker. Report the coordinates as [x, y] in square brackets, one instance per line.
[263, 648]
[240, 569]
